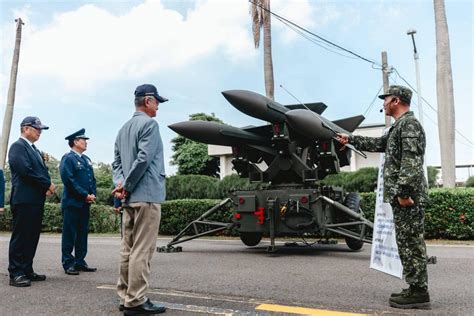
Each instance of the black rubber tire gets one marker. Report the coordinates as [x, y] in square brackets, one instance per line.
[251, 238]
[352, 201]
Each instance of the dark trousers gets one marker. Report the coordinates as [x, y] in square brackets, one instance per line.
[74, 236]
[26, 222]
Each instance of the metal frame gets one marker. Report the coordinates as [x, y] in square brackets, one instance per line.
[195, 228]
[192, 230]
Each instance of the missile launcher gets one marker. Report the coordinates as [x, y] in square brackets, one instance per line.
[299, 149]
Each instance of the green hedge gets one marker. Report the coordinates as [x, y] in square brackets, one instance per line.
[362, 180]
[449, 215]
[103, 219]
[191, 187]
[205, 187]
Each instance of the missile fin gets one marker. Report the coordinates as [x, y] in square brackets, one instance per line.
[317, 107]
[350, 123]
[260, 130]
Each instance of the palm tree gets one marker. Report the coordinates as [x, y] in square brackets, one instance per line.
[7, 119]
[260, 12]
[444, 85]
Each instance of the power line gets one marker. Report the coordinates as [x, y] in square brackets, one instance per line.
[322, 41]
[373, 101]
[315, 41]
[436, 111]
[281, 19]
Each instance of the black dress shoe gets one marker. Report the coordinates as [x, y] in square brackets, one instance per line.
[86, 268]
[20, 281]
[146, 308]
[36, 277]
[71, 271]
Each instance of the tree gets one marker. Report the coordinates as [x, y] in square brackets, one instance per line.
[260, 13]
[444, 85]
[191, 157]
[103, 176]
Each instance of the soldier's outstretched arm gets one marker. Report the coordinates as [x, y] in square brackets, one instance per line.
[372, 144]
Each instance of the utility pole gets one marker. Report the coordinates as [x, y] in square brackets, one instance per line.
[445, 95]
[7, 119]
[385, 74]
[412, 32]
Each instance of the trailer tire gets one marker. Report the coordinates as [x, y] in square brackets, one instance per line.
[352, 201]
[251, 238]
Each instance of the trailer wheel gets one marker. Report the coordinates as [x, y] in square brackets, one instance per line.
[251, 238]
[352, 201]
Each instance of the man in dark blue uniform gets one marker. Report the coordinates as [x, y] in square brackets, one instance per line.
[30, 186]
[78, 194]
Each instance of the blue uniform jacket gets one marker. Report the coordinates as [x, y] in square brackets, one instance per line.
[30, 178]
[77, 175]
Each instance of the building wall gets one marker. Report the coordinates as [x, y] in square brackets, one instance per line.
[225, 158]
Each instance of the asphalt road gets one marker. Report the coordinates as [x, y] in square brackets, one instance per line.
[225, 277]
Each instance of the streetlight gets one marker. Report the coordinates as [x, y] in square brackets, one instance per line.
[412, 33]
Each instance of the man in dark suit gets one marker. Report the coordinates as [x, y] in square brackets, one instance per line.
[2, 191]
[30, 186]
[78, 194]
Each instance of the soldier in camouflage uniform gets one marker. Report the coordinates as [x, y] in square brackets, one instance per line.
[405, 189]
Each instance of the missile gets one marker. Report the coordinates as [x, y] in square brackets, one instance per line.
[317, 127]
[217, 134]
[256, 105]
[261, 107]
[313, 125]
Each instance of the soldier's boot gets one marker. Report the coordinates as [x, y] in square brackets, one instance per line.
[413, 298]
[396, 294]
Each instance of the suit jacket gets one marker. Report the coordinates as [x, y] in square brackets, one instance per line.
[30, 178]
[138, 160]
[77, 175]
[2, 189]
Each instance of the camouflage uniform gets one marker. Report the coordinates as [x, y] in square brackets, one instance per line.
[404, 147]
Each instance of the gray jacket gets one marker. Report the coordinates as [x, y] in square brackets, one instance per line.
[138, 160]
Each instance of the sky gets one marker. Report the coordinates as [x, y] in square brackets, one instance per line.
[80, 62]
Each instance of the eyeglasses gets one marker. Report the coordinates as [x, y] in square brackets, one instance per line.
[36, 129]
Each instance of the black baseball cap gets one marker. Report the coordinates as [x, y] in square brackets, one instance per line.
[33, 121]
[149, 90]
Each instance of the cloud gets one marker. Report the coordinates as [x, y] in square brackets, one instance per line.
[300, 12]
[90, 45]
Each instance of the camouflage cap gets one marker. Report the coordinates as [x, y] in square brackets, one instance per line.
[400, 91]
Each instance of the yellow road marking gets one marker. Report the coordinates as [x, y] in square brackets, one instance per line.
[302, 310]
[261, 305]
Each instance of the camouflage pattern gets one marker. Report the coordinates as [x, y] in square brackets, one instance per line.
[404, 146]
[409, 230]
[400, 91]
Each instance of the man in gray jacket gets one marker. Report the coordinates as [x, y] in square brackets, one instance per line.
[139, 176]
